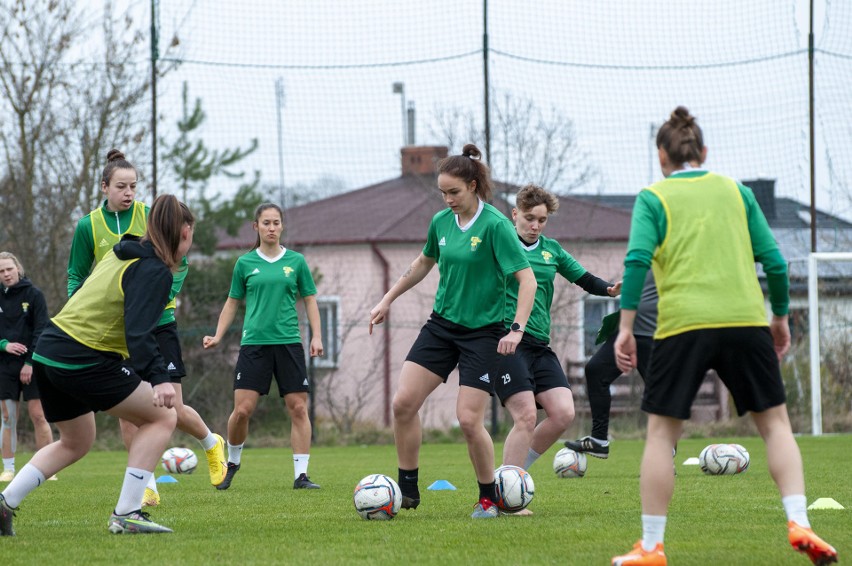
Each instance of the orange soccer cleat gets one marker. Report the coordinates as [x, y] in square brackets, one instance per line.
[641, 557]
[804, 540]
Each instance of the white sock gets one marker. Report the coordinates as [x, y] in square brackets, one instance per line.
[132, 491]
[9, 464]
[532, 456]
[796, 507]
[208, 441]
[25, 481]
[653, 531]
[300, 464]
[235, 452]
[152, 483]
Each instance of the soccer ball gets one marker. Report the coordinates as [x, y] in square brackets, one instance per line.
[724, 459]
[179, 460]
[569, 464]
[377, 498]
[515, 488]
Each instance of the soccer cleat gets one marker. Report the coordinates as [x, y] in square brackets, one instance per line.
[7, 475]
[216, 461]
[409, 502]
[151, 498]
[229, 476]
[589, 445]
[304, 482]
[804, 540]
[6, 514]
[485, 509]
[135, 522]
[641, 557]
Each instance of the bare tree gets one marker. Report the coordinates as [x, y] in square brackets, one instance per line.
[60, 112]
[529, 145]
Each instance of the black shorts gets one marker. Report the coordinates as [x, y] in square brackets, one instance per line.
[744, 358]
[442, 345]
[168, 343]
[257, 364]
[534, 367]
[67, 394]
[10, 382]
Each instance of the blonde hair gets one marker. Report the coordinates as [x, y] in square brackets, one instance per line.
[10, 255]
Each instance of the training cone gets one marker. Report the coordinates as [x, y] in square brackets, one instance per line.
[442, 484]
[166, 479]
[825, 503]
[691, 462]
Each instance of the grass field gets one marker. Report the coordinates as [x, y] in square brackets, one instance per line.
[262, 520]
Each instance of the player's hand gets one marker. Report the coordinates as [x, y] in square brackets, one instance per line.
[509, 343]
[779, 327]
[26, 374]
[210, 342]
[316, 347]
[615, 290]
[16, 348]
[378, 315]
[625, 351]
[164, 395]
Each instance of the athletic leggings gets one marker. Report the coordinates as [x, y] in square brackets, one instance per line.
[601, 371]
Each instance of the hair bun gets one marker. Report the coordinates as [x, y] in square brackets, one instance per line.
[682, 116]
[115, 155]
[471, 151]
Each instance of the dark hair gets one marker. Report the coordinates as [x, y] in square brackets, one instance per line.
[469, 167]
[165, 222]
[115, 160]
[258, 211]
[681, 138]
[530, 196]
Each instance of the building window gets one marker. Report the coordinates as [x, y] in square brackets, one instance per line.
[594, 309]
[329, 309]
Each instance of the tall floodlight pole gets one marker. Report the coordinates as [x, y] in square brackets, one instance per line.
[812, 141]
[279, 106]
[399, 88]
[487, 100]
[155, 10]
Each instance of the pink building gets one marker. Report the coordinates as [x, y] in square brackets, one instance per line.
[360, 242]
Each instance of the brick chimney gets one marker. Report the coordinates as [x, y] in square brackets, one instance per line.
[422, 159]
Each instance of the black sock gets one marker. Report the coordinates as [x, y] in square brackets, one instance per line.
[488, 491]
[408, 483]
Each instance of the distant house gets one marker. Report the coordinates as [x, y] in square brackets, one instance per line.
[362, 241]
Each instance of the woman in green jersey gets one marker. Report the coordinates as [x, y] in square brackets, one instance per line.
[270, 278]
[708, 320]
[534, 375]
[95, 235]
[476, 251]
[78, 364]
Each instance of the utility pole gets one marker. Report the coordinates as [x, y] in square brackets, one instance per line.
[279, 107]
[155, 16]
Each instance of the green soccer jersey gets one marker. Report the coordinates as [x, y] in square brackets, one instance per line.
[270, 287]
[474, 262]
[547, 258]
[178, 277]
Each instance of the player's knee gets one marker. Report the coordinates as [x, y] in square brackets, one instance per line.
[525, 420]
[404, 407]
[243, 412]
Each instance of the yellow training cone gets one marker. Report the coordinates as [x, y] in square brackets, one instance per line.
[825, 503]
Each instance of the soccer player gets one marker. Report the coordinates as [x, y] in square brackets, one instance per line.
[602, 371]
[476, 250]
[690, 220]
[94, 236]
[23, 315]
[534, 375]
[78, 365]
[270, 278]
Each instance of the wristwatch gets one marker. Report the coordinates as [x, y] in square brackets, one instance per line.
[516, 327]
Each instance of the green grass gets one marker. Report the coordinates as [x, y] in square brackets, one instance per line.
[262, 520]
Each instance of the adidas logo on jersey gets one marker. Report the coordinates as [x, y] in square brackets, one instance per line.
[485, 378]
[171, 366]
[443, 242]
[256, 270]
[103, 243]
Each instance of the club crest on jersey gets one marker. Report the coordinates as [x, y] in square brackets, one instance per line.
[474, 242]
[546, 255]
[287, 271]
[25, 307]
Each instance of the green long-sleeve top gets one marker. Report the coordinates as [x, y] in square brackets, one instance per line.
[649, 229]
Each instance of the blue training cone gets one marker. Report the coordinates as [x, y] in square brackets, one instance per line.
[166, 479]
[442, 484]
